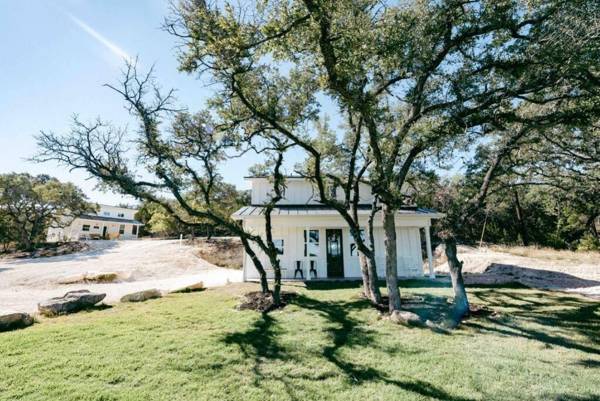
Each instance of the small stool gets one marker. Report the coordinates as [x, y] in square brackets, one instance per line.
[299, 269]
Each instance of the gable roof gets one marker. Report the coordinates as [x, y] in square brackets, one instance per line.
[106, 218]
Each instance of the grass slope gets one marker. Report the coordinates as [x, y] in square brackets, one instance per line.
[327, 345]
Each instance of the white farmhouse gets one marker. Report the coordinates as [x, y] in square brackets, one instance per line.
[110, 222]
[315, 242]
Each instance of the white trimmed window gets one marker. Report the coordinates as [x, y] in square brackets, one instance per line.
[311, 243]
[279, 245]
[122, 229]
[85, 227]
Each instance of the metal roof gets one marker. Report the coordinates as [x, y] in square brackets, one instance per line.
[320, 210]
[106, 218]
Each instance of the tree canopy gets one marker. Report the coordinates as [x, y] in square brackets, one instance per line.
[31, 204]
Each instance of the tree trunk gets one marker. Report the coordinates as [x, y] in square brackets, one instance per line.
[369, 273]
[26, 242]
[461, 302]
[391, 258]
[277, 279]
[521, 220]
[264, 285]
[366, 278]
[372, 267]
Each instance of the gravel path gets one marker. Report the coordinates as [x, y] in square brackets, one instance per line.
[142, 264]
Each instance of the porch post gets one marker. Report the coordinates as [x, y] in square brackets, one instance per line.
[306, 257]
[429, 253]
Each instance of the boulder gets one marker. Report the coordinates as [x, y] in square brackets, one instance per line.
[190, 288]
[72, 301]
[142, 296]
[406, 318]
[15, 321]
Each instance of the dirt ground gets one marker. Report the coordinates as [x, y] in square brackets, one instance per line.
[538, 268]
[163, 264]
[139, 264]
[225, 252]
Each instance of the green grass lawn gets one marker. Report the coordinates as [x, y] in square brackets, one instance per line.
[327, 345]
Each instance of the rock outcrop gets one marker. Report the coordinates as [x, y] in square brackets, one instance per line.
[15, 321]
[190, 288]
[142, 296]
[72, 301]
[406, 318]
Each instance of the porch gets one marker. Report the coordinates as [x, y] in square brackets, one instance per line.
[330, 253]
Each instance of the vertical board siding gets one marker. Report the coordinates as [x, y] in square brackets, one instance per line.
[299, 192]
[410, 260]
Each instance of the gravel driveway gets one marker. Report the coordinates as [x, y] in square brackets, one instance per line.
[143, 264]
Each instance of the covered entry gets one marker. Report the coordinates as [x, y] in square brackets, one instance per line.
[335, 253]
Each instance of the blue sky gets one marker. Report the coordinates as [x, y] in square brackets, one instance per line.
[54, 58]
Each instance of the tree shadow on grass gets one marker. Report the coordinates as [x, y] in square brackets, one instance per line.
[575, 397]
[589, 363]
[348, 332]
[558, 316]
[261, 345]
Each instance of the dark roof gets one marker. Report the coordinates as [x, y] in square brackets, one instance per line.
[105, 218]
[300, 210]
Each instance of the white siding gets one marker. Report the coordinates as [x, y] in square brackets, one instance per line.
[298, 192]
[409, 252]
[117, 212]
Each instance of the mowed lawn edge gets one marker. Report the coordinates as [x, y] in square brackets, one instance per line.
[328, 344]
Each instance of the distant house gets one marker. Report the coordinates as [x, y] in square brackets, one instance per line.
[315, 242]
[110, 222]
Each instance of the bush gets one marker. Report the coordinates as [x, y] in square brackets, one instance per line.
[588, 243]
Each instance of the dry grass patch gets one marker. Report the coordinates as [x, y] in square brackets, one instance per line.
[225, 252]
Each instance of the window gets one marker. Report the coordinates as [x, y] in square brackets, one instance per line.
[353, 247]
[134, 230]
[106, 213]
[120, 214]
[85, 227]
[96, 227]
[279, 245]
[122, 229]
[311, 244]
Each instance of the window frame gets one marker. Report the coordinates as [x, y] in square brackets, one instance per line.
[280, 248]
[121, 229]
[83, 227]
[308, 239]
